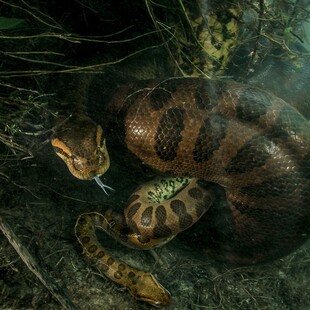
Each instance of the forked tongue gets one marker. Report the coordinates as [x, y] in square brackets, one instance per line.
[103, 186]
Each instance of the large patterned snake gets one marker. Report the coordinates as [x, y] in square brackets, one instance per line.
[201, 132]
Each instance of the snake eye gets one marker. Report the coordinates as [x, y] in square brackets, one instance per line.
[101, 148]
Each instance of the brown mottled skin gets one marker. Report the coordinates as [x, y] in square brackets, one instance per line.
[251, 143]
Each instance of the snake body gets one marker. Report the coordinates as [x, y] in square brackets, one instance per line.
[248, 141]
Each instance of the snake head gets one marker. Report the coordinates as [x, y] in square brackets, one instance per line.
[80, 144]
[148, 289]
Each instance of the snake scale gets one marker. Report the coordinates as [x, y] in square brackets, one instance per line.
[199, 132]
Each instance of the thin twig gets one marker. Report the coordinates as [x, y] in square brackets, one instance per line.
[59, 293]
